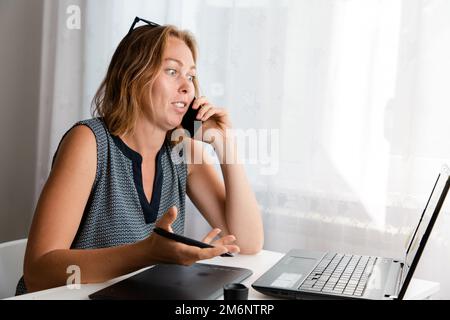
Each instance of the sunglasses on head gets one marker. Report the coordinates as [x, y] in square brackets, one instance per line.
[137, 19]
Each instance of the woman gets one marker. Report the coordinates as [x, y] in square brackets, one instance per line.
[113, 178]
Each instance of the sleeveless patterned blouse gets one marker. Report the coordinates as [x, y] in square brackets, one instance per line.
[118, 211]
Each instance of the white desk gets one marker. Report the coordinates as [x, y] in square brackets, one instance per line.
[418, 289]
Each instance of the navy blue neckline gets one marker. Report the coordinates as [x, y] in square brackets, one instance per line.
[150, 209]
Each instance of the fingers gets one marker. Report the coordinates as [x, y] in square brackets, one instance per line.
[206, 110]
[167, 219]
[209, 253]
[220, 246]
[209, 114]
[179, 253]
[229, 239]
[225, 240]
[188, 255]
[203, 110]
[203, 106]
[199, 102]
[211, 235]
[232, 248]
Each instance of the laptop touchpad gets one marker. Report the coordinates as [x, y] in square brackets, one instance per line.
[293, 270]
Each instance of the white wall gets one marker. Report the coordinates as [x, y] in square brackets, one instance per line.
[20, 55]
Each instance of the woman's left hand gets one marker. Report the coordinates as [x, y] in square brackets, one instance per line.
[212, 117]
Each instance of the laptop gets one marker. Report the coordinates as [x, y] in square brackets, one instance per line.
[174, 282]
[305, 274]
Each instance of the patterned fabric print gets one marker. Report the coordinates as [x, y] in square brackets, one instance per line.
[113, 215]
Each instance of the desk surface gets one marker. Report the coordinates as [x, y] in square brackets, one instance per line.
[418, 289]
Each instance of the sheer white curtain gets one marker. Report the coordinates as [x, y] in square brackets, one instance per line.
[352, 93]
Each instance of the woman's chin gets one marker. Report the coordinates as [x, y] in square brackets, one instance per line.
[174, 122]
[172, 125]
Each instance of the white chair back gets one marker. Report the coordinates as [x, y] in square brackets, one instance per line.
[11, 266]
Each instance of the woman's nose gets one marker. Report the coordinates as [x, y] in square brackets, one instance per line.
[184, 90]
[185, 86]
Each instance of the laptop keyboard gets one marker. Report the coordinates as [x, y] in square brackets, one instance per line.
[340, 274]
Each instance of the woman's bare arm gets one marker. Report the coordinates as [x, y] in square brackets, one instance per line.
[58, 216]
[229, 205]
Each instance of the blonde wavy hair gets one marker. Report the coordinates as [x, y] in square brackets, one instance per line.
[131, 75]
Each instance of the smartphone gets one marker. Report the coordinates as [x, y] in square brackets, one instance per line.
[189, 122]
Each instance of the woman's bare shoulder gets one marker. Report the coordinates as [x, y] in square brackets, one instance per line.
[78, 150]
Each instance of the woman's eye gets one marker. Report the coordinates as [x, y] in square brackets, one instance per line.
[171, 72]
[191, 78]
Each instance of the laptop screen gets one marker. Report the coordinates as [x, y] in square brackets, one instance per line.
[426, 223]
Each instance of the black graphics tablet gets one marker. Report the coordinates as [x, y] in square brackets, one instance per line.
[174, 282]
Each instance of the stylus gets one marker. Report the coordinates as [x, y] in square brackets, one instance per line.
[188, 241]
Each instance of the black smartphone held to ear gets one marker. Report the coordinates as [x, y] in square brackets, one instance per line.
[189, 120]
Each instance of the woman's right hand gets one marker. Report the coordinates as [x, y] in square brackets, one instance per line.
[163, 250]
